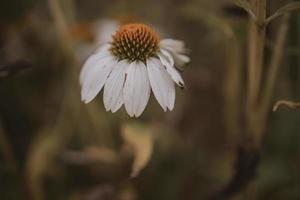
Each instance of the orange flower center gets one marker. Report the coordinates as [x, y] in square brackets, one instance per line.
[135, 42]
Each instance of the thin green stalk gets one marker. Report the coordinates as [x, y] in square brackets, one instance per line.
[256, 44]
[274, 65]
[256, 50]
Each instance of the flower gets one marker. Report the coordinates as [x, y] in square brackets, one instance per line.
[132, 64]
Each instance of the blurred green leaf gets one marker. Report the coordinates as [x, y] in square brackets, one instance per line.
[294, 6]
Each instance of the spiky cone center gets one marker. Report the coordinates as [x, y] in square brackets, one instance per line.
[135, 42]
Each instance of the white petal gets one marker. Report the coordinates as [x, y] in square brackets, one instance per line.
[161, 84]
[94, 78]
[180, 60]
[168, 62]
[177, 49]
[118, 104]
[129, 89]
[176, 46]
[136, 90]
[165, 57]
[112, 96]
[94, 60]
[145, 90]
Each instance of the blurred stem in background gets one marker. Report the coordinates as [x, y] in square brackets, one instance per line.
[260, 91]
[293, 62]
[274, 66]
[249, 126]
[59, 135]
[256, 51]
[53, 141]
[254, 126]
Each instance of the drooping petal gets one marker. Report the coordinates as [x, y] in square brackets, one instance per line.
[177, 49]
[176, 46]
[166, 57]
[95, 77]
[180, 59]
[167, 60]
[136, 90]
[161, 83]
[113, 97]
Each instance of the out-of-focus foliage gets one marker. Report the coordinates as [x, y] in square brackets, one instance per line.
[52, 146]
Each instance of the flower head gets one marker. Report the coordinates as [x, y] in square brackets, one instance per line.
[135, 42]
[132, 64]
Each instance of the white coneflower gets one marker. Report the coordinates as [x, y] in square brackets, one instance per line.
[132, 64]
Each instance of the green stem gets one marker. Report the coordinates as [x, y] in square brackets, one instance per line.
[256, 44]
[256, 50]
[274, 66]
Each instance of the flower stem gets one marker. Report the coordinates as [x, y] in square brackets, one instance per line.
[256, 50]
[256, 44]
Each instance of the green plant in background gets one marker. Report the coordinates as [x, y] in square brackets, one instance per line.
[260, 87]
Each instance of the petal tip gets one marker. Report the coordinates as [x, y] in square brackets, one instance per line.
[107, 108]
[181, 85]
[138, 115]
[171, 108]
[85, 100]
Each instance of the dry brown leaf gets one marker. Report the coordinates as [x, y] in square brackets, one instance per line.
[140, 139]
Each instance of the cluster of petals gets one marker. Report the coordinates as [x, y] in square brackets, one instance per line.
[130, 83]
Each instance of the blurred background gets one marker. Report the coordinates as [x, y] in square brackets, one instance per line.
[54, 147]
